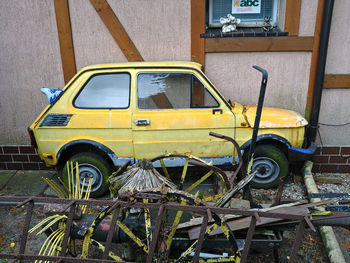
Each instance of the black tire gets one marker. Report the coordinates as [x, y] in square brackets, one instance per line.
[271, 163]
[91, 165]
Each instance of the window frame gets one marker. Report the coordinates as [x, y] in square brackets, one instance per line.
[103, 108]
[274, 20]
[191, 93]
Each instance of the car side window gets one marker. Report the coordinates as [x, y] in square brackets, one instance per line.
[105, 91]
[172, 91]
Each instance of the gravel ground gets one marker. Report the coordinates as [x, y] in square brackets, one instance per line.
[311, 250]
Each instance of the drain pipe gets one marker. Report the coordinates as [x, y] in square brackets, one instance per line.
[320, 68]
[329, 239]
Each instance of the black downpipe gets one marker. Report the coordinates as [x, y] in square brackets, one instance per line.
[320, 69]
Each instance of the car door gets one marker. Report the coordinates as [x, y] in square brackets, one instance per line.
[174, 111]
[101, 112]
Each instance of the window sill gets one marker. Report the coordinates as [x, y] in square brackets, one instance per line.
[258, 44]
[244, 32]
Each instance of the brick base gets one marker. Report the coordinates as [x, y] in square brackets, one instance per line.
[332, 159]
[23, 157]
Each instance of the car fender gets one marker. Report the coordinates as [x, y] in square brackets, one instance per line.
[263, 137]
[117, 161]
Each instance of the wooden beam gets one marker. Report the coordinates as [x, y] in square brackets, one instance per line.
[292, 18]
[314, 58]
[197, 28]
[117, 30]
[65, 38]
[255, 44]
[336, 81]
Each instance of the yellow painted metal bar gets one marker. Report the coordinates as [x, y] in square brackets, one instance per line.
[148, 225]
[87, 194]
[42, 222]
[86, 243]
[69, 186]
[174, 226]
[58, 218]
[72, 179]
[54, 245]
[212, 198]
[132, 236]
[164, 169]
[184, 172]
[110, 254]
[64, 185]
[77, 181]
[54, 186]
[201, 180]
[47, 242]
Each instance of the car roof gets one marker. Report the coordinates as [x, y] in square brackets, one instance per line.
[153, 64]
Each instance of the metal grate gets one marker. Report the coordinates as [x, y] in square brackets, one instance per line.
[56, 120]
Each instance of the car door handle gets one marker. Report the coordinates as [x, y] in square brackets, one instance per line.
[141, 122]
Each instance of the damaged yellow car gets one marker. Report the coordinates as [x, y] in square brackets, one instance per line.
[112, 113]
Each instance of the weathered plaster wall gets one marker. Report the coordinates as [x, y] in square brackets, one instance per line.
[30, 55]
[307, 17]
[335, 102]
[29, 59]
[233, 75]
[160, 29]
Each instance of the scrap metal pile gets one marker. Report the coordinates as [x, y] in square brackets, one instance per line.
[171, 222]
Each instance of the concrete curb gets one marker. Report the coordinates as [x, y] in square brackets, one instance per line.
[334, 252]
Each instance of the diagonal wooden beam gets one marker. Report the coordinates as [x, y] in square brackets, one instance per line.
[117, 30]
[65, 38]
[292, 18]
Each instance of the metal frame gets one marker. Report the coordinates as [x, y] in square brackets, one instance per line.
[162, 205]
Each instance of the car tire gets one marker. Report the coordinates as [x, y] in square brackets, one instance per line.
[91, 165]
[271, 163]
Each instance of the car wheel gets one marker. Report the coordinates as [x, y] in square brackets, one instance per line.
[271, 164]
[91, 165]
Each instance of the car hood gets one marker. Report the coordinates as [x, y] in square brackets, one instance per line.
[274, 117]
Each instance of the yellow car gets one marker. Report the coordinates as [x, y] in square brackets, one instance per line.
[112, 113]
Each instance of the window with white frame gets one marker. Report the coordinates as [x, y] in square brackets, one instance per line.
[251, 12]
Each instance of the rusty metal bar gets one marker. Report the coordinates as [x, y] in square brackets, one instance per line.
[278, 197]
[57, 258]
[248, 239]
[68, 228]
[239, 154]
[297, 241]
[24, 236]
[200, 239]
[155, 234]
[110, 233]
[169, 206]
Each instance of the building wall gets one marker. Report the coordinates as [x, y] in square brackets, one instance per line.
[29, 59]
[335, 102]
[161, 30]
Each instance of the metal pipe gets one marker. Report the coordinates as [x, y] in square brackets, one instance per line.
[320, 68]
[329, 239]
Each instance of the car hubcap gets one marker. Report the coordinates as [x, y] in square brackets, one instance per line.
[90, 172]
[267, 170]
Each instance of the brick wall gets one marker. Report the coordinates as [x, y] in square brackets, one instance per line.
[334, 159]
[22, 157]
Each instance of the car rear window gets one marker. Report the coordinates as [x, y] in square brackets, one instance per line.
[105, 91]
